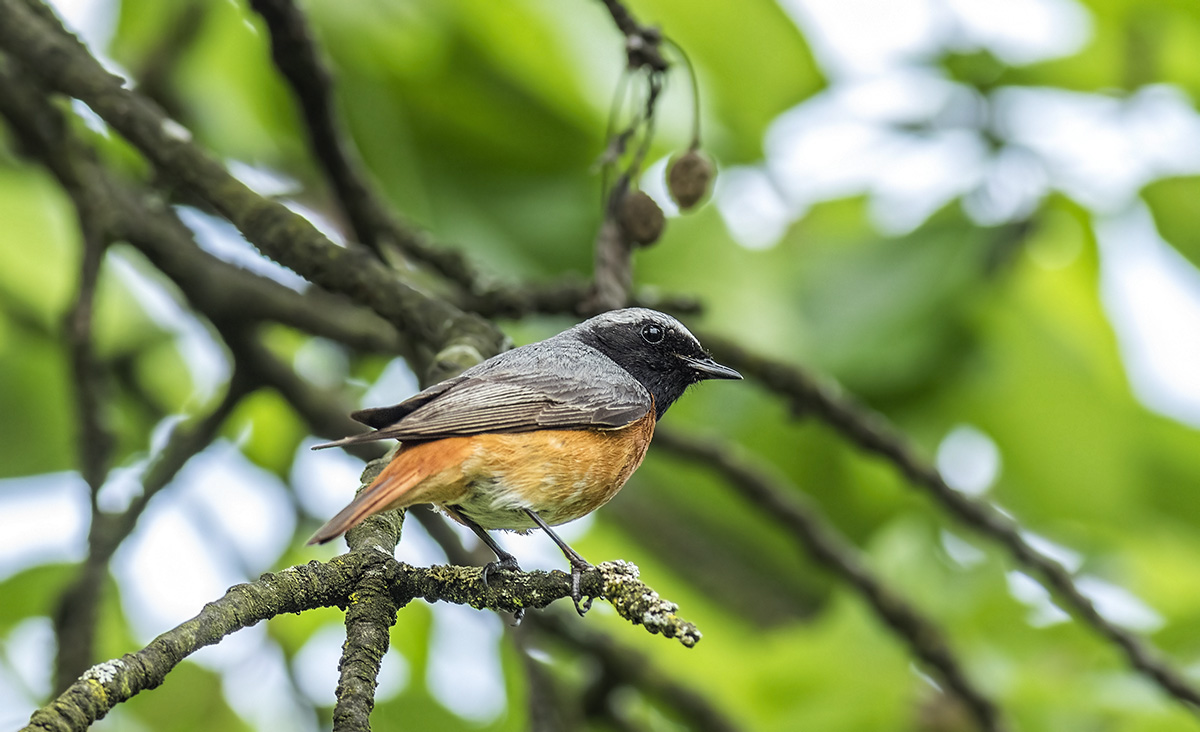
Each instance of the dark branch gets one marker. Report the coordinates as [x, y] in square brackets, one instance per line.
[782, 504]
[634, 668]
[298, 58]
[279, 233]
[641, 42]
[76, 612]
[872, 432]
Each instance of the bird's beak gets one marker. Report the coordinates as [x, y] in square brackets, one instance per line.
[710, 369]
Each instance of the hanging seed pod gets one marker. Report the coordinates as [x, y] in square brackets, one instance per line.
[640, 217]
[689, 177]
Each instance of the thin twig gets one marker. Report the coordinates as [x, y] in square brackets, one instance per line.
[641, 42]
[295, 52]
[76, 612]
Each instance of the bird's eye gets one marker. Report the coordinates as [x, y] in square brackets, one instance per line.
[652, 333]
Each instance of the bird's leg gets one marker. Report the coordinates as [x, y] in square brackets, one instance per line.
[578, 564]
[504, 560]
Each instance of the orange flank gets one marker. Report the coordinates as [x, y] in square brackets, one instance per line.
[491, 478]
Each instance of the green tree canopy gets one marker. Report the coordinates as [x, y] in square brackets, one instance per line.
[952, 247]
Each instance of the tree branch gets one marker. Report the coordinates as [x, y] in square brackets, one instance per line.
[329, 584]
[220, 290]
[285, 237]
[299, 61]
[872, 432]
[633, 668]
[641, 42]
[782, 505]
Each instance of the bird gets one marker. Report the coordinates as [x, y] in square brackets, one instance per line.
[534, 437]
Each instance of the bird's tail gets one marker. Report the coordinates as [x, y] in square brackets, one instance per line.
[403, 483]
[386, 491]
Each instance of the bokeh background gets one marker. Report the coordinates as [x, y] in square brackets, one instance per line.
[979, 217]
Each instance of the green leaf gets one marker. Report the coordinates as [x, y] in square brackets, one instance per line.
[1175, 203]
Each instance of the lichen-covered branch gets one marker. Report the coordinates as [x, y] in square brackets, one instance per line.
[336, 583]
[107, 684]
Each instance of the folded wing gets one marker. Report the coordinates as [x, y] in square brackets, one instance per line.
[547, 385]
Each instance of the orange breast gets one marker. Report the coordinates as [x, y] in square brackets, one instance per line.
[560, 474]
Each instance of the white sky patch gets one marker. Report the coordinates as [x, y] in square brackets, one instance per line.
[124, 483]
[168, 570]
[248, 506]
[95, 22]
[969, 460]
[654, 184]
[91, 120]
[16, 704]
[1120, 606]
[29, 650]
[865, 36]
[176, 131]
[1027, 590]
[924, 174]
[849, 140]
[464, 672]
[396, 383]
[961, 552]
[1152, 295]
[324, 480]
[263, 180]
[221, 522]
[1070, 559]
[256, 683]
[43, 518]
[319, 221]
[1020, 32]
[1101, 150]
[753, 211]
[316, 668]
[205, 359]
[322, 362]
[221, 239]
[1012, 185]
[536, 550]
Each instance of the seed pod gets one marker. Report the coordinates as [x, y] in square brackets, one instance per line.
[640, 217]
[689, 177]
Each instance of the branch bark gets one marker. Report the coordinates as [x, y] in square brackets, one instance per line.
[329, 584]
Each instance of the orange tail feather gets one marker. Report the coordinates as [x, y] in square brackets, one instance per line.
[393, 488]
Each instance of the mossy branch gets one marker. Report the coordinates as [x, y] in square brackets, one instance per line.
[336, 584]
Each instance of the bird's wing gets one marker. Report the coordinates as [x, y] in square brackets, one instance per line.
[542, 386]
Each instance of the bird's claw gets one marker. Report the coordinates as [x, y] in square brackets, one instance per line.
[508, 563]
[577, 570]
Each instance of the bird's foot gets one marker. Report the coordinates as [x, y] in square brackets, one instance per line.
[506, 562]
[578, 567]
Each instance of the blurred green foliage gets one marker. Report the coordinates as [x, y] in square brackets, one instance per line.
[480, 121]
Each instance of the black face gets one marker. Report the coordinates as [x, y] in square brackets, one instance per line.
[655, 349]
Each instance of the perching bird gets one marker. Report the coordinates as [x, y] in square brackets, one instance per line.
[536, 436]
